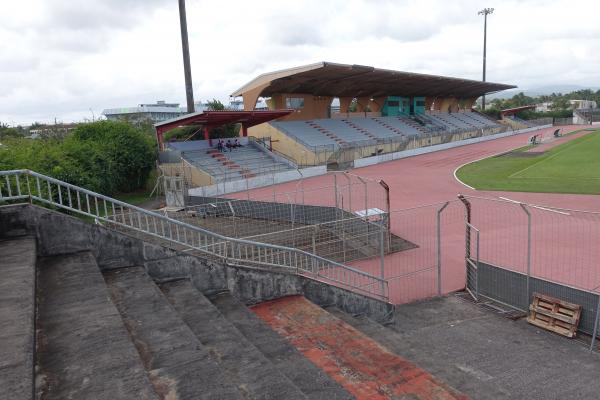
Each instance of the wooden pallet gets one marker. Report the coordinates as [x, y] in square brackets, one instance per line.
[554, 315]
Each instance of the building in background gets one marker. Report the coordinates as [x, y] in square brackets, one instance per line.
[161, 111]
[579, 104]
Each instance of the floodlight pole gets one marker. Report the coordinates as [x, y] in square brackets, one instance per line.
[485, 13]
[187, 70]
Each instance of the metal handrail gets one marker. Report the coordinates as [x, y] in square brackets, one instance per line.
[26, 184]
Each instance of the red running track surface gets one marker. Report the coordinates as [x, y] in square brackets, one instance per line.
[429, 179]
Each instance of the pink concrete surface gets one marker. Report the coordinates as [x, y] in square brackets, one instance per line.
[562, 249]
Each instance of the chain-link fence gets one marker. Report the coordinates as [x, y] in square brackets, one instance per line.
[342, 217]
[526, 248]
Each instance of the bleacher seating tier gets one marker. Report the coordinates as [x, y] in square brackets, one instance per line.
[339, 132]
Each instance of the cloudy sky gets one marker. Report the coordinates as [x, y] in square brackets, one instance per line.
[68, 59]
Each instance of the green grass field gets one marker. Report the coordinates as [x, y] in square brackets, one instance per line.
[573, 167]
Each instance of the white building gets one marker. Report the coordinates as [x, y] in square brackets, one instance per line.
[158, 112]
[543, 107]
[577, 104]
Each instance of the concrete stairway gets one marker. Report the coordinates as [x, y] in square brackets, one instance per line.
[116, 334]
[179, 366]
[309, 378]
[243, 362]
[83, 349]
[17, 317]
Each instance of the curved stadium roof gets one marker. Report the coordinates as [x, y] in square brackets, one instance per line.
[343, 80]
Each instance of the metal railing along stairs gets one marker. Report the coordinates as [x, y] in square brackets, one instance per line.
[19, 185]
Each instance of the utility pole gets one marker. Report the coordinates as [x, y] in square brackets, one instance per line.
[187, 70]
[485, 12]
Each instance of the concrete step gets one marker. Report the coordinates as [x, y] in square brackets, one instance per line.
[17, 317]
[179, 366]
[309, 378]
[245, 365]
[83, 349]
[358, 362]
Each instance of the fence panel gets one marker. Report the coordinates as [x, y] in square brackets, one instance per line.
[528, 248]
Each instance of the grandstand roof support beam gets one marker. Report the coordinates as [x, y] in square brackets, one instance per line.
[207, 135]
[251, 97]
[345, 103]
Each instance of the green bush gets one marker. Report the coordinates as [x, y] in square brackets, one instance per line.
[104, 156]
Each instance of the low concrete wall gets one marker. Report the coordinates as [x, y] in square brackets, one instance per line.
[257, 182]
[364, 162]
[58, 233]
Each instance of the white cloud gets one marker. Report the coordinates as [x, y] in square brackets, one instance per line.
[60, 58]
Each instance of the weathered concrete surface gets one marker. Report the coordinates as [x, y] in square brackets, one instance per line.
[485, 355]
[310, 379]
[61, 234]
[241, 361]
[17, 317]
[354, 360]
[254, 285]
[83, 350]
[180, 367]
[12, 223]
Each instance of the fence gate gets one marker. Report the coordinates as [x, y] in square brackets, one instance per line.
[174, 186]
[472, 260]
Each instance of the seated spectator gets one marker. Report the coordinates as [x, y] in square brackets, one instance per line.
[228, 144]
[237, 143]
[220, 145]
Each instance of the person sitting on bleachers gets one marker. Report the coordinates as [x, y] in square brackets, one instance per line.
[228, 144]
[236, 143]
[220, 145]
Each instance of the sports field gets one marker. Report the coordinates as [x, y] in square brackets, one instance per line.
[571, 167]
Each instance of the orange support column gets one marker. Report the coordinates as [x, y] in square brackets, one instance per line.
[207, 135]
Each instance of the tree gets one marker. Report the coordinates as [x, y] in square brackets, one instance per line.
[103, 156]
[8, 132]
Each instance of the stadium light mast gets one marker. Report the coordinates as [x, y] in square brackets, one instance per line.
[485, 12]
[187, 70]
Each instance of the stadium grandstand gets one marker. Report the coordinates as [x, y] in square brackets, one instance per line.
[510, 118]
[380, 111]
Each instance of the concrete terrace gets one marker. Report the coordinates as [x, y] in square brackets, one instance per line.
[90, 313]
[485, 355]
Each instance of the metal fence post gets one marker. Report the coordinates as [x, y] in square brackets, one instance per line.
[382, 257]
[477, 263]
[524, 207]
[335, 193]
[233, 219]
[467, 204]
[439, 247]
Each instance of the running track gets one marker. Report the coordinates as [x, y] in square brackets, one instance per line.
[429, 179]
